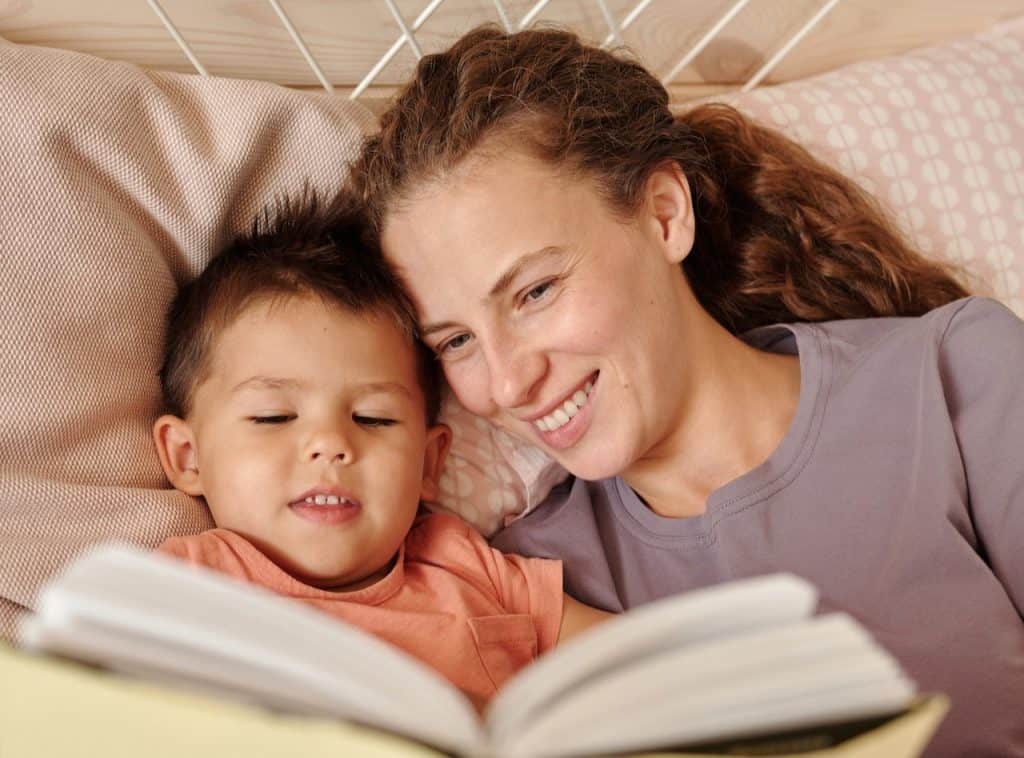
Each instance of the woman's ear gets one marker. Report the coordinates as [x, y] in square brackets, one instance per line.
[670, 208]
[176, 448]
[439, 440]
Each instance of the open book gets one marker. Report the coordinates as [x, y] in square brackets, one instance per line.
[740, 660]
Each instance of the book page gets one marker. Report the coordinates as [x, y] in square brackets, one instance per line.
[143, 612]
[814, 671]
[667, 624]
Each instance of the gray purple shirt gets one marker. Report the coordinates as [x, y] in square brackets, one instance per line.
[898, 490]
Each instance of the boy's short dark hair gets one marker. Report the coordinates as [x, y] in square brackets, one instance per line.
[302, 247]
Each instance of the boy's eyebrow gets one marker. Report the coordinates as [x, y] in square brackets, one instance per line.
[265, 382]
[276, 383]
[503, 282]
[384, 387]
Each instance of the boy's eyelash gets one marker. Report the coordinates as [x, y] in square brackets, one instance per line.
[364, 420]
[374, 421]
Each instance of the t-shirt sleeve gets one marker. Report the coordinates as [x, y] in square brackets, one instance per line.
[531, 586]
[982, 365]
[214, 549]
[176, 547]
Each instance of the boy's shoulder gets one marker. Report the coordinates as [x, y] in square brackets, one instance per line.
[443, 539]
[433, 526]
[219, 549]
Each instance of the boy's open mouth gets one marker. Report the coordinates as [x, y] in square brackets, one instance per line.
[326, 505]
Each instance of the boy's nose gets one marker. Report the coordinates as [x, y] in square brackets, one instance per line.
[331, 447]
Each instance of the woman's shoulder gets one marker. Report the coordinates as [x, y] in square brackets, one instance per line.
[975, 315]
[979, 315]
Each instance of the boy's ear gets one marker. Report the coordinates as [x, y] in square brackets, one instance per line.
[439, 440]
[670, 208]
[176, 448]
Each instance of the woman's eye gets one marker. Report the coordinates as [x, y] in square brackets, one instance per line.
[539, 291]
[455, 343]
[373, 421]
[278, 419]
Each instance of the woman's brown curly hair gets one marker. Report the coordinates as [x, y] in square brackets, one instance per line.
[780, 236]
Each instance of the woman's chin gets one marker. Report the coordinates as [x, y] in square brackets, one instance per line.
[591, 465]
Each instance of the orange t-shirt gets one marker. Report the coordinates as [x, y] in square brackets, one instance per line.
[471, 612]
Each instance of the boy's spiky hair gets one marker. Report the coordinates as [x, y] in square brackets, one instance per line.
[302, 246]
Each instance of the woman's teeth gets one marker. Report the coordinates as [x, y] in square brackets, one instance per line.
[560, 416]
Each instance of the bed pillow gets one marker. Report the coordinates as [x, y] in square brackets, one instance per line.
[938, 136]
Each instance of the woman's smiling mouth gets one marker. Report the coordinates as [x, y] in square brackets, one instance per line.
[562, 426]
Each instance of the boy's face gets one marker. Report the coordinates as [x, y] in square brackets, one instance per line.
[309, 439]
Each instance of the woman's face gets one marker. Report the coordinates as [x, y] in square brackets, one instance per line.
[553, 318]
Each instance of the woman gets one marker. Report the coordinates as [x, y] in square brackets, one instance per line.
[592, 272]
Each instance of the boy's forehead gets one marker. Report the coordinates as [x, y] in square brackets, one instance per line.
[296, 342]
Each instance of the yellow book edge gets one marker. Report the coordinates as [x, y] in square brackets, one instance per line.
[50, 707]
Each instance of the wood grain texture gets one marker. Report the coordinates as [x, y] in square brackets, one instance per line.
[245, 39]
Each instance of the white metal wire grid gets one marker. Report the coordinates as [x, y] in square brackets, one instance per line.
[408, 31]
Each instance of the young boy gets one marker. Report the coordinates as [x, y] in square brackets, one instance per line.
[302, 409]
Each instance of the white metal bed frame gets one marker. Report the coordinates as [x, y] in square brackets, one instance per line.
[408, 37]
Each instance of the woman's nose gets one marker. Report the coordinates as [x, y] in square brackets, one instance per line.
[515, 376]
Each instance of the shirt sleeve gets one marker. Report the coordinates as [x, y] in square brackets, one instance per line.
[531, 586]
[982, 365]
[215, 549]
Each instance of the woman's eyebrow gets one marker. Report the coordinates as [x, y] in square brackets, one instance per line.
[502, 283]
[525, 261]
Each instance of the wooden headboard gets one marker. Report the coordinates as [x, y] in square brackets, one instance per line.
[249, 38]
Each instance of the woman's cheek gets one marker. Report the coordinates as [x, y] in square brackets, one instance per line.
[470, 385]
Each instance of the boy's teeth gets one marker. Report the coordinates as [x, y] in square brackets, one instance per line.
[323, 500]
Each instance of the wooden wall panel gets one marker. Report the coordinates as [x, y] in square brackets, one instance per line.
[244, 38]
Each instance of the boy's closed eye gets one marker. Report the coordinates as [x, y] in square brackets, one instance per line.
[361, 419]
[373, 421]
[272, 418]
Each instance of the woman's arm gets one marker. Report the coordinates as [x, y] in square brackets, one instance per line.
[982, 362]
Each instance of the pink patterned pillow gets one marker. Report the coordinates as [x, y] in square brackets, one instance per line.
[937, 134]
[491, 478]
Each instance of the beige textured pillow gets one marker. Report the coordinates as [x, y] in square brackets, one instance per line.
[116, 184]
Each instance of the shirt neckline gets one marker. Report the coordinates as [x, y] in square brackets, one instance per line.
[765, 480]
[374, 594]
